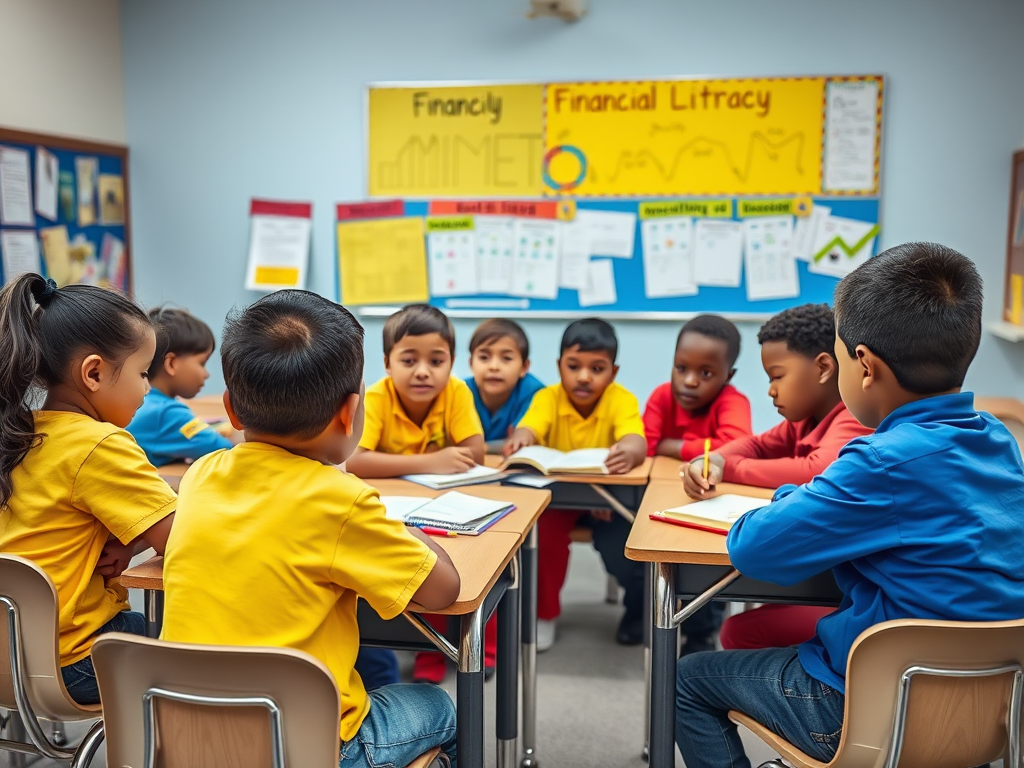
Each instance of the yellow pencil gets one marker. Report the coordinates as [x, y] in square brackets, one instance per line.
[707, 456]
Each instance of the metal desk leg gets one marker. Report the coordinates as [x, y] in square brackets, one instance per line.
[154, 608]
[470, 691]
[663, 657]
[528, 599]
[648, 631]
[507, 706]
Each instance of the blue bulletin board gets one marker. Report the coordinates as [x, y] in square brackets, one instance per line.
[96, 251]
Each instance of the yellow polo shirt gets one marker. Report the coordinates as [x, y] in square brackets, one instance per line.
[270, 548]
[85, 480]
[557, 424]
[451, 419]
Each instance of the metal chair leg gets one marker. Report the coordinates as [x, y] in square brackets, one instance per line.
[87, 749]
[57, 734]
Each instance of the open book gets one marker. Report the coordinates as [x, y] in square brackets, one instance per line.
[585, 461]
[478, 474]
[717, 514]
[452, 511]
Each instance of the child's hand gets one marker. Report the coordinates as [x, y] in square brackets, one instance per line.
[449, 461]
[521, 438]
[114, 558]
[619, 461]
[694, 484]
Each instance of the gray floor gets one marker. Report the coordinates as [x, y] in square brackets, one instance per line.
[590, 690]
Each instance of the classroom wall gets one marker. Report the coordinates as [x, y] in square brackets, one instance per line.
[229, 99]
[61, 65]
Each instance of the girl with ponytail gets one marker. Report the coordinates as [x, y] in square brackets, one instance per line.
[77, 495]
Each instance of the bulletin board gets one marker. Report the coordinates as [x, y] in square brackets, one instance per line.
[1013, 302]
[87, 238]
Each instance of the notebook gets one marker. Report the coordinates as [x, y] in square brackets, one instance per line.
[478, 474]
[584, 461]
[452, 511]
[717, 514]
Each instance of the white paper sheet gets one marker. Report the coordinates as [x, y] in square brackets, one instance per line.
[494, 240]
[47, 173]
[668, 257]
[575, 255]
[718, 252]
[452, 259]
[768, 258]
[836, 262]
[278, 252]
[600, 288]
[535, 259]
[86, 172]
[15, 188]
[20, 253]
[611, 233]
[851, 127]
[805, 232]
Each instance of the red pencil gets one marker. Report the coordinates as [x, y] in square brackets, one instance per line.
[687, 524]
[437, 531]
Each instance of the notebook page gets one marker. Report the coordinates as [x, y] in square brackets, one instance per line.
[400, 507]
[727, 508]
[456, 508]
[478, 472]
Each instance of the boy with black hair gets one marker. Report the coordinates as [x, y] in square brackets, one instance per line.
[502, 385]
[276, 512]
[586, 409]
[164, 427]
[920, 520]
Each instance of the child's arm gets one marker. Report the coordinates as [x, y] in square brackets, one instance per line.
[654, 423]
[521, 438]
[694, 483]
[731, 422]
[627, 453]
[441, 588]
[476, 446]
[448, 461]
[116, 556]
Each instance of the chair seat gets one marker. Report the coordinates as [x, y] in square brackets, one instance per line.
[790, 753]
[425, 759]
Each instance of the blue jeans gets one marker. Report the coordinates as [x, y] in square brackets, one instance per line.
[770, 686]
[404, 721]
[80, 678]
[377, 667]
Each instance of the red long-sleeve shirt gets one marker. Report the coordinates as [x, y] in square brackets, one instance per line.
[790, 452]
[727, 418]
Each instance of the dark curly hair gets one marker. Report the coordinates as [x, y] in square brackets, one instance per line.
[809, 329]
[715, 327]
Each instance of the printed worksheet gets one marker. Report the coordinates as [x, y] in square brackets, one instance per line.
[452, 258]
[768, 258]
[718, 252]
[20, 251]
[600, 287]
[574, 266]
[15, 188]
[668, 257]
[535, 259]
[611, 233]
[842, 245]
[494, 240]
[805, 232]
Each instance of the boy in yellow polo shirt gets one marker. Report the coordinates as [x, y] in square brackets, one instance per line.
[275, 544]
[587, 409]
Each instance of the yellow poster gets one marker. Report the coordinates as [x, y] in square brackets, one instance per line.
[457, 141]
[382, 261]
[685, 137]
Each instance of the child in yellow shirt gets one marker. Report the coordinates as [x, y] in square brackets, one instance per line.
[77, 495]
[274, 545]
[587, 409]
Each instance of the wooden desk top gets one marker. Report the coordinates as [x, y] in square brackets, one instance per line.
[636, 476]
[664, 468]
[653, 542]
[208, 406]
[479, 560]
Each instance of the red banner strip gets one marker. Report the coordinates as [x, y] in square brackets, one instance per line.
[280, 208]
[528, 209]
[374, 210]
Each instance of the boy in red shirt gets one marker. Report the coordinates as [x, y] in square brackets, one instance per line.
[798, 354]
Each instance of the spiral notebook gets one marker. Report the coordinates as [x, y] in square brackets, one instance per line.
[452, 511]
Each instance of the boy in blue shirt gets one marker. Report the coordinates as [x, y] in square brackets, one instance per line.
[921, 519]
[164, 427]
[502, 384]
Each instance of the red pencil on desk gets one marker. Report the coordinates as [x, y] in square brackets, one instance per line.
[437, 531]
[687, 524]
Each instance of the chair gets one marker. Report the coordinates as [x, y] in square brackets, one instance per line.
[1008, 410]
[925, 694]
[30, 678]
[176, 705]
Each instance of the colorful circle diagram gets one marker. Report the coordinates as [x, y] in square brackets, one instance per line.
[581, 159]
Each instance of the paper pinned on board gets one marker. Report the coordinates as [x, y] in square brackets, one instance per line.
[851, 136]
[111, 197]
[535, 259]
[494, 253]
[20, 253]
[279, 238]
[668, 257]
[47, 181]
[86, 171]
[382, 261]
[611, 233]
[112, 266]
[15, 188]
[573, 269]
[452, 263]
[56, 254]
[842, 245]
[768, 259]
[805, 232]
[718, 252]
[600, 287]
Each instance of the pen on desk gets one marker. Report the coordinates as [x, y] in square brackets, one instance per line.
[437, 531]
[707, 456]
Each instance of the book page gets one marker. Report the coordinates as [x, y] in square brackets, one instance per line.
[545, 458]
[583, 458]
[400, 507]
[456, 508]
[727, 508]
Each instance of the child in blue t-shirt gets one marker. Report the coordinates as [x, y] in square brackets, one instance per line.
[920, 520]
[164, 426]
[502, 385]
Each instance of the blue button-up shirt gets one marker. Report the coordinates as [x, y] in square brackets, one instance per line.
[497, 424]
[168, 431]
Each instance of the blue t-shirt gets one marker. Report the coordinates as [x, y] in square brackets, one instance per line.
[923, 519]
[496, 425]
[168, 431]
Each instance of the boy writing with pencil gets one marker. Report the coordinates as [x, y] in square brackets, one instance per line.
[920, 520]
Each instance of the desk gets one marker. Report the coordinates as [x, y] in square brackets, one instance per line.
[665, 468]
[687, 563]
[489, 567]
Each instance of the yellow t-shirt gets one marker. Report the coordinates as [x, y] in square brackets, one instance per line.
[557, 424]
[451, 419]
[271, 549]
[86, 480]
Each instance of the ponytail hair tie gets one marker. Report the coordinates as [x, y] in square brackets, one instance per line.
[44, 291]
